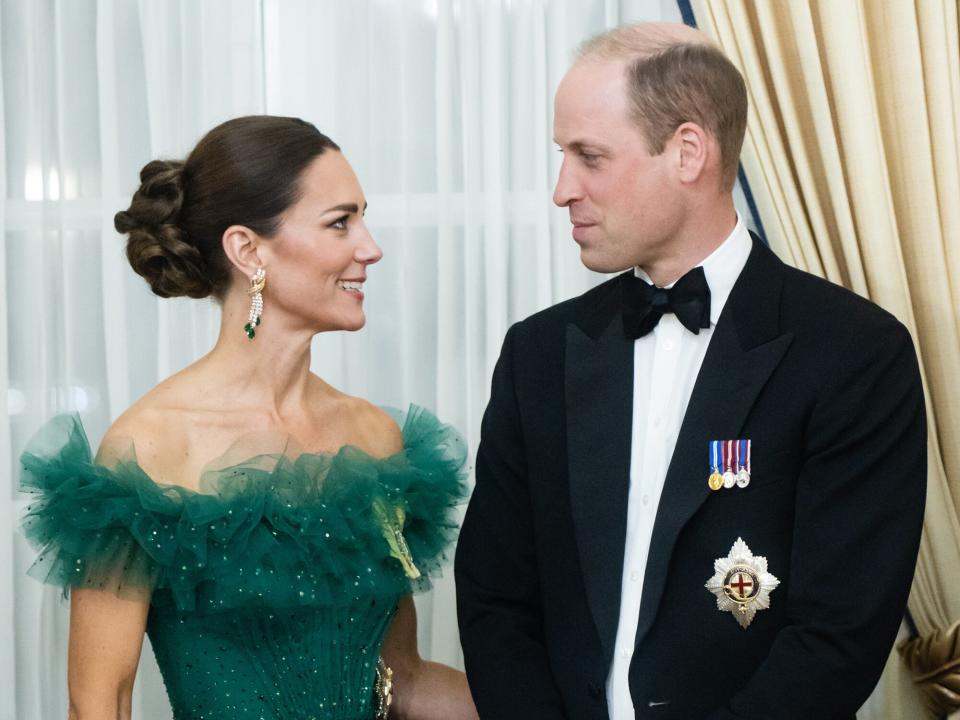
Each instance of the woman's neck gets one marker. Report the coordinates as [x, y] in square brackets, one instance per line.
[269, 372]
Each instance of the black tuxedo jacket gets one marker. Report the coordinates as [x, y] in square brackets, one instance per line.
[827, 387]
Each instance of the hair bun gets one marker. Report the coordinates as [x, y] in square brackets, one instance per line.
[158, 249]
[158, 199]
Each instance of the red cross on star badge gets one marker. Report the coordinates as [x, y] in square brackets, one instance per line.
[741, 583]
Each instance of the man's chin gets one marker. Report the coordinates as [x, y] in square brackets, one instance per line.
[600, 264]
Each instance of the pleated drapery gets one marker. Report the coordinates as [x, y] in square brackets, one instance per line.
[852, 153]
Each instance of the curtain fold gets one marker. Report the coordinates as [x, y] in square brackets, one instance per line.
[852, 153]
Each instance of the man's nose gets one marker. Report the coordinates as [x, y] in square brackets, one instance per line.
[567, 189]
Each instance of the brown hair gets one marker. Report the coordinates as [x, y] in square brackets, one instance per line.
[676, 75]
[245, 171]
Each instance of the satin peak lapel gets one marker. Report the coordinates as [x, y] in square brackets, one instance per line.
[599, 408]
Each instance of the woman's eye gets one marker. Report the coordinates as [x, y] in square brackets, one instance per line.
[340, 223]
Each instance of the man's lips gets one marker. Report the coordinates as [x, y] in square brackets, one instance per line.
[580, 229]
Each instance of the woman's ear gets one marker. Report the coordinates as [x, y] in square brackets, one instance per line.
[240, 245]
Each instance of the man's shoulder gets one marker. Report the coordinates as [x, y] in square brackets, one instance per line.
[536, 345]
[813, 304]
[557, 317]
[837, 334]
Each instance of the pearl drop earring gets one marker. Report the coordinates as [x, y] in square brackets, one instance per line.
[257, 282]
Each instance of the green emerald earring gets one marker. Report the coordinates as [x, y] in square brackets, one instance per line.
[257, 283]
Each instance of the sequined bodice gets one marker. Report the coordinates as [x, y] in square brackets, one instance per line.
[306, 664]
[271, 594]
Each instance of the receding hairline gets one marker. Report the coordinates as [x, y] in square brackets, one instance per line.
[676, 74]
[633, 42]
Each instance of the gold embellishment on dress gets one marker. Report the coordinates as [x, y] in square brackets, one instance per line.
[935, 662]
[383, 689]
[392, 528]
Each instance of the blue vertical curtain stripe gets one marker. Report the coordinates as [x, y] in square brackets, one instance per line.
[686, 12]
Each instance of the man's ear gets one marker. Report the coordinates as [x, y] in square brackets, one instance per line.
[694, 148]
[240, 244]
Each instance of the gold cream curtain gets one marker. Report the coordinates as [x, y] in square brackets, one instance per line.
[853, 158]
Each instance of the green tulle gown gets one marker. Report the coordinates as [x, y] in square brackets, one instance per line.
[273, 586]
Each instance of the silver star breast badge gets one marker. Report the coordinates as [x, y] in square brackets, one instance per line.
[741, 583]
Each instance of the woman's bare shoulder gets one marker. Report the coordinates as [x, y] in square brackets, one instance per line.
[154, 428]
[364, 425]
[378, 428]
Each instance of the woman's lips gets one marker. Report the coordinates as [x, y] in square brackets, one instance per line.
[352, 287]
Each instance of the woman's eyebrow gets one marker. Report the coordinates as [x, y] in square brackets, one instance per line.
[346, 207]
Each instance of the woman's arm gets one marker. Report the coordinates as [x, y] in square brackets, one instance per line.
[106, 635]
[422, 690]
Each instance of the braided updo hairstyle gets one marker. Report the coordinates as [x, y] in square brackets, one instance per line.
[245, 171]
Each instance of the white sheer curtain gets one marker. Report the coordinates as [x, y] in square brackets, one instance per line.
[443, 107]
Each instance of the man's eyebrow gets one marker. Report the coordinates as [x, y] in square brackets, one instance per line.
[580, 146]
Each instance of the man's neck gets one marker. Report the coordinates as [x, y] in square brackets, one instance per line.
[694, 244]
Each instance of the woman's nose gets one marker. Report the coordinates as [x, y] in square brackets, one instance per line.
[368, 252]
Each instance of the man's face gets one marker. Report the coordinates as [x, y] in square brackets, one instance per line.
[623, 201]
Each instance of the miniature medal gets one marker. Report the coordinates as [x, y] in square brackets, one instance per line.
[729, 478]
[743, 459]
[741, 583]
[716, 479]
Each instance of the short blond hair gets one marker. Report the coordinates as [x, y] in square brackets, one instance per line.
[675, 75]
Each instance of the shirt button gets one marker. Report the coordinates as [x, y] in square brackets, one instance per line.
[625, 653]
[634, 576]
[657, 421]
[668, 345]
[645, 499]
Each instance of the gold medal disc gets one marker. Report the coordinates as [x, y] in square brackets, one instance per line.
[716, 481]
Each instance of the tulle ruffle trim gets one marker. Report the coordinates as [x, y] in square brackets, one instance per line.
[273, 531]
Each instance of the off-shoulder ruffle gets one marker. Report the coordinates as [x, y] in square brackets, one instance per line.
[273, 532]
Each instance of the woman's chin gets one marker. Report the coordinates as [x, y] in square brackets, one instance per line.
[349, 324]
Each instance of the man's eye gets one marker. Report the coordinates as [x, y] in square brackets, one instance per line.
[588, 158]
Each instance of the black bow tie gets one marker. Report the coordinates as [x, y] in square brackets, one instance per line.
[644, 304]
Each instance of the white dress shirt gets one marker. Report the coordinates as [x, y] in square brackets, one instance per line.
[666, 362]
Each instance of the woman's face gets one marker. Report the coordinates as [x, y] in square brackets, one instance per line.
[317, 261]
